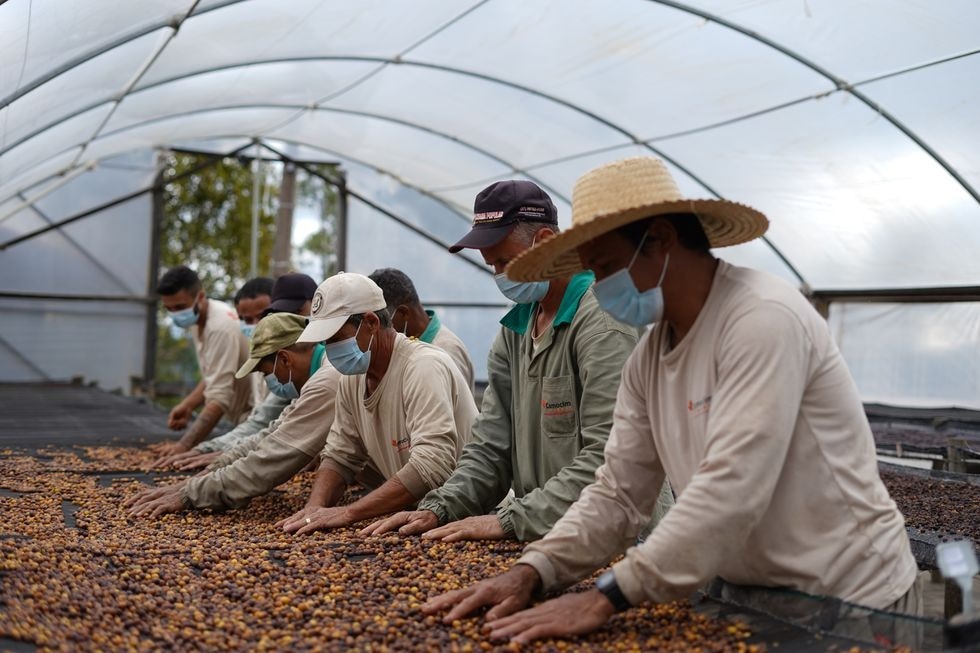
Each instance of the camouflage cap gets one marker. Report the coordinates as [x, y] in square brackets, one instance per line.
[272, 333]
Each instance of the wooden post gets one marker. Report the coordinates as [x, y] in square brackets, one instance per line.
[954, 455]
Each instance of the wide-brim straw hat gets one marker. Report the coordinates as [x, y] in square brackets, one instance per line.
[621, 192]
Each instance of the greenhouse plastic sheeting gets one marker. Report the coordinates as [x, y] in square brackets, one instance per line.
[851, 125]
[106, 255]
[911, 354]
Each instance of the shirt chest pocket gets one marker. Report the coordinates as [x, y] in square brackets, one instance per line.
[558, 418]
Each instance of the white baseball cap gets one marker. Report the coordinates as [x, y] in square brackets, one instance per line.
[336, 299]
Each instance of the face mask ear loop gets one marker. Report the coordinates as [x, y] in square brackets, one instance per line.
[663, 272]
[638, 249]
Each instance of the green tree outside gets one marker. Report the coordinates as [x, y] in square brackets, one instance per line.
[207, 225]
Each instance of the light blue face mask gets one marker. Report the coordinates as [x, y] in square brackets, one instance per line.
[522, 292]
[618, 295]
[185, 318]
[285, 390]
[347, 356]
[247, 329]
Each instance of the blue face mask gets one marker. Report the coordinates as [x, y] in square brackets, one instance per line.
[521, 292]
[347, 356]
[618, 295]
[285, 390]
[247, 329]
[186, 317]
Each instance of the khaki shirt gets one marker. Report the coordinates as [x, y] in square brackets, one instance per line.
[438, 334]
[413, 426]
[545, 418]
[758, 425]
[273, 456]
[221, 349]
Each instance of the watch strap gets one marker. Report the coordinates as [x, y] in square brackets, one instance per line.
[606, 583]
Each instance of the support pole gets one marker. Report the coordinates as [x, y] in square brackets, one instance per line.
[253, 267]
[150, 345]
[342, 207]
[282, 249]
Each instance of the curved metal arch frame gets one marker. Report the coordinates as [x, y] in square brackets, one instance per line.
[840, 83]
[388, 213]
[108, 46]
[449, 206]
[215, 156]
[489, 78]
[455, 209]
[363, 114]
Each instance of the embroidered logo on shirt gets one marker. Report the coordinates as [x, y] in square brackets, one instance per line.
[699, 407]
[556, 408]
[402, 443]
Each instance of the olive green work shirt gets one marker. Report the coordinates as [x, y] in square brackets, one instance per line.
[545, 418]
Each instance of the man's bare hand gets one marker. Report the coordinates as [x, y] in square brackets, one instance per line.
[481, 527]
[408, 522]
[157, 501]
[565, 616]
[298, 516]
[505, 594]
[167, 452]
[170, 460]
[320, 519]
[195, 460]
[179, 417]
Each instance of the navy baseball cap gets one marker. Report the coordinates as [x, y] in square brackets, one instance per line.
[500, 206]
[290, 292]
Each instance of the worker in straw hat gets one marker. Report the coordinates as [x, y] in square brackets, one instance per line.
[739, 395]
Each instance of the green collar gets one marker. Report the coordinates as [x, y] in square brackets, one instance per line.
[319, 352]
[430, 331]
[519, 317]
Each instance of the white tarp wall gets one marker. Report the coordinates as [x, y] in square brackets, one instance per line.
[107, 254]
[921, 355]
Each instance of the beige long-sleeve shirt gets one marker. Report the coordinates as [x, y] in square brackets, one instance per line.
[759, 427]
[413, 426]
[441, 336]
[275, 454]
[221, 349]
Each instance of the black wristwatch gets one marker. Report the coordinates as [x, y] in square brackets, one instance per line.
[606, 583]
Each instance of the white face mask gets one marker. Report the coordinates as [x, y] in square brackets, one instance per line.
[618, 295]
